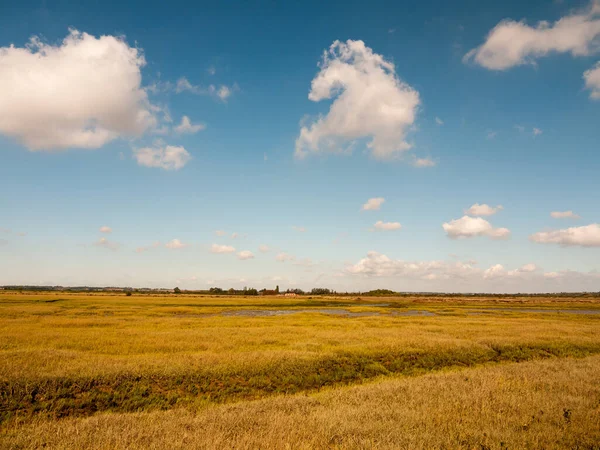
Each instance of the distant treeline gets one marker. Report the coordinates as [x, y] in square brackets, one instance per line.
[315, 291]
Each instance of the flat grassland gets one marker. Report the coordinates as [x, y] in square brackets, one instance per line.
[181, 371]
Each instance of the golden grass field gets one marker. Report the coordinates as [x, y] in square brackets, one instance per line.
[186, 371]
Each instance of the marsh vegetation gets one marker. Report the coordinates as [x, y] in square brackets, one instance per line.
[108, 371]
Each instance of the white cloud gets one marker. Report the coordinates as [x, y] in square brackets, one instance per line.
[224, 92]
[373, 204]
[537, 132]
[221, 92]
[423, 162]
[82, 93]
[575, 279]
[379, 265]
[283, 257]
[564, 215]
[264, 248]
[245, 254]
[552, 275]
[494, 271]
[216, 248]
[183, 85]
[387, 226]
[299, 229]
[521, 128]
[592, 81]
[105, 243]
[370, 102]
[186, 127]
[498, 271]
[439, 121]
[467, 227]
[529, 268]
[164, 157]
[234, 235]
[491, 134]
[483, 210]
[211, 70]
[220, 233]
[585, 236]
[105, 229]
[175, 244]
[512, 43]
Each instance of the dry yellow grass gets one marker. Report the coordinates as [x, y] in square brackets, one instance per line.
[70, 356]
[550, 404]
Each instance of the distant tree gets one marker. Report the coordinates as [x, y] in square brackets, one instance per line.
[277, 289]
[320, 291]
[177, 290]
[128, 293]
[251, 291]
[231, 291]
[380, 292]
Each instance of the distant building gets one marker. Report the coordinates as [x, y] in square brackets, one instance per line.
[290, 294]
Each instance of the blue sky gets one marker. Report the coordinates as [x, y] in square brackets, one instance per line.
[91, 143]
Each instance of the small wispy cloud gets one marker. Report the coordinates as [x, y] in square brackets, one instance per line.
[186, 126]
[423, 162]
[167, 157]
[222, 92]
[386, 226]
[216, 248]
[283, 257]
[176, 244]
[373, 204]
[245, 254]
[483, 210]
[564, 215]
